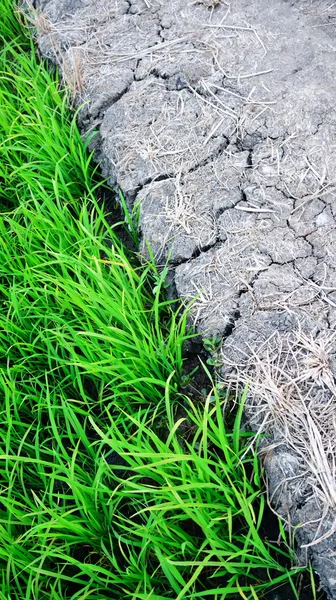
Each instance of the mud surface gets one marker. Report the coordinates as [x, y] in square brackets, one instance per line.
[220, 120]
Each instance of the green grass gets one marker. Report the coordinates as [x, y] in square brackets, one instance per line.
[113, 484]
[72, 297]
[102, 506]
[77, 306]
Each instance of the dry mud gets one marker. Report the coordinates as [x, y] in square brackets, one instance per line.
[220, 120]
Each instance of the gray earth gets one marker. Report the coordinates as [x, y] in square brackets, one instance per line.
[219, 119]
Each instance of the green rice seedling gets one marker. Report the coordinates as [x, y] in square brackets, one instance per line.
[37, 132]
[77, 306]
[74, 300]
[194, 522]
[11, 27]
[109, 506]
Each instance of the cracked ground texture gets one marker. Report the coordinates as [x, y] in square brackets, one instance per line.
[220, 120]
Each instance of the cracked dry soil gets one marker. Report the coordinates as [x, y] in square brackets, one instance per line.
[220, 120]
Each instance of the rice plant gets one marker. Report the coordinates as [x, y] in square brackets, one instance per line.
[73, 299]
[116, 504]
[74, 304]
